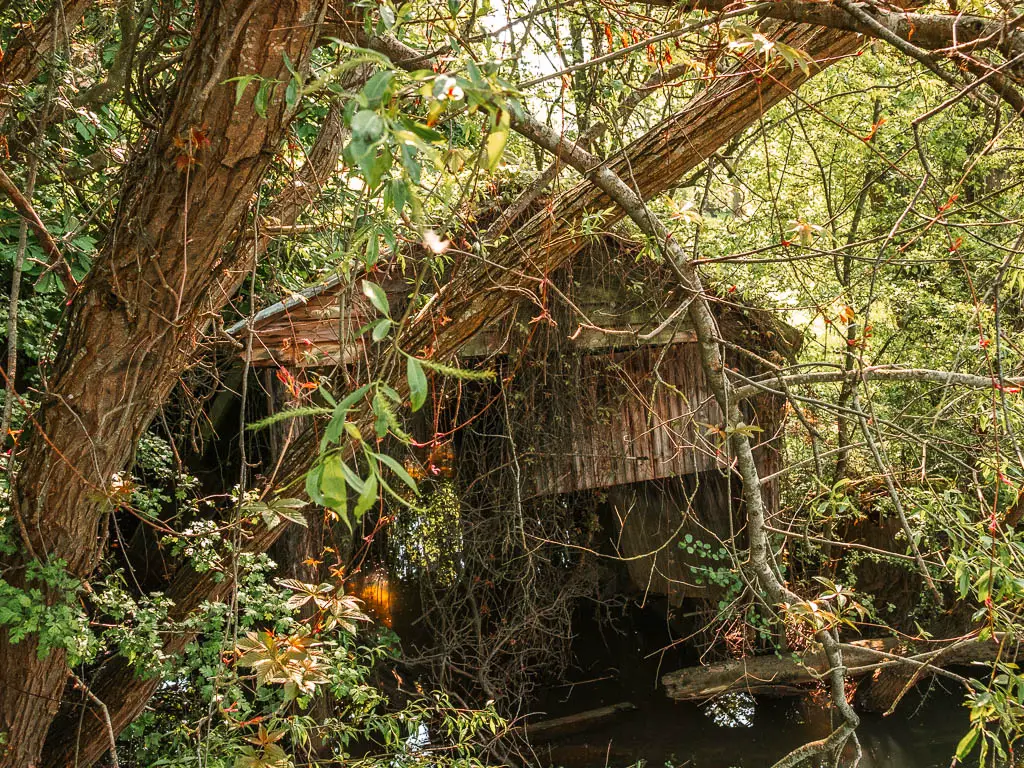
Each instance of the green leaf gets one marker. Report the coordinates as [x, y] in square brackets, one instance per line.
[474, 75]
[390, 391]
[313, 485]
[367, 498]
[427, 134]
[494, 147]
[963, 749]
[333, 485]
[417, 383]
[288, 64]
[381, 165]
[367, 126]
[327, 396]
[377, 297]
[399, 194]
[377, 87]
[382, 328]
[398, 469]
[372, 248]
[290, 509]
[353, 397]
[361, 154]
[352, 478]
[263, 97]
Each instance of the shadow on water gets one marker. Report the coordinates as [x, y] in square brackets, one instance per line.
[738, 731]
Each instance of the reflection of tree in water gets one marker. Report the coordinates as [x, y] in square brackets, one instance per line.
[428, 541]
[732, 710]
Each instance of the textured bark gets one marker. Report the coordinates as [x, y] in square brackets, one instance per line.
[133, 325]
[930, 31]
[785, 675]
[292, 201]
[22, 60]
[117, 683]
[772, 675]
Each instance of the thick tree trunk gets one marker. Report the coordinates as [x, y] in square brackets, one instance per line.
[117, 683]
[134, 323]
[481, 292]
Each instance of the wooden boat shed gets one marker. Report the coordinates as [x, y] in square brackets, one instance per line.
[644, 414]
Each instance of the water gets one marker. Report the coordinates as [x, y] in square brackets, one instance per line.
[741, 732]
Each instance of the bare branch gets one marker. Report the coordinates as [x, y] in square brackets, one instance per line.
[884, 373]
[28, 213]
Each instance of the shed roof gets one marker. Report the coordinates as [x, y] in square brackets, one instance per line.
[318, 326]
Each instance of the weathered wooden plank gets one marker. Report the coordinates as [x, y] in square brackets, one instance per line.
[766, 674]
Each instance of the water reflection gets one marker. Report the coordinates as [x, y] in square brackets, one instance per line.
[733, 710]
[740, 731]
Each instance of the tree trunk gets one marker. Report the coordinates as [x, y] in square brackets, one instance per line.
[133, 325]
[117, 684]
[654, 163]
[774, 675]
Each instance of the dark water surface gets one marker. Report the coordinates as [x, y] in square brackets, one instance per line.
[741, 732]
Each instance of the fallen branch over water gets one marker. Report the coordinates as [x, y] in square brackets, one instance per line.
[786, 675]
[580, 721]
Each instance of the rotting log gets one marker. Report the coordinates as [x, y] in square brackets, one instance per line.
[789, 675]
[557, 727]
[774, 675]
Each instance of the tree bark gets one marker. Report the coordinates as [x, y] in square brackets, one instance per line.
[117, 683]
[930, 31]
[22, 60]
[891, 669]
[773, 675]
[134, 324]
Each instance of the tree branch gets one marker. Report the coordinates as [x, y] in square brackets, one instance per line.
[22, 60]
[28, 213]
[942, 33]
[881, 373]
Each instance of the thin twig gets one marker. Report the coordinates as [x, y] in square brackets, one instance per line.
[106, 718]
